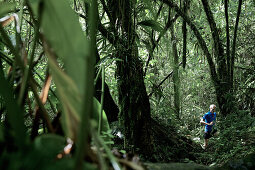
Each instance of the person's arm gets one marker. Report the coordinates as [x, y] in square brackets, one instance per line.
[204, 123]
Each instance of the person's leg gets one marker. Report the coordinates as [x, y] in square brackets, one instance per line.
[214, 132]
[206, 139]
[206, 143]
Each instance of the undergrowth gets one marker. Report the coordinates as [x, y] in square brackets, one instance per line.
[177, 143]
[235, 139]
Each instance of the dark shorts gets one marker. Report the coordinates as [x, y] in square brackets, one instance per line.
[209, 134]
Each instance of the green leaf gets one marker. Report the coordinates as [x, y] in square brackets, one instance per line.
[151, 23]
[97, 108]
[64, 35]
[50, 145]
[123, 151]
[105, 128]
[15, 113]
[69, 96]
[5, 8]
[34, 4]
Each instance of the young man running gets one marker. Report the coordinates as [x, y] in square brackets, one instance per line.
[209, 120]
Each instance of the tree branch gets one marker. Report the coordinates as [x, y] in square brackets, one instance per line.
[107, 34]
[227, 32]
[199, 37]
[214, 29]
[164, 80]
[107, 10]
[184, 33]
[167, 26]
[219, 51]
[234, 41]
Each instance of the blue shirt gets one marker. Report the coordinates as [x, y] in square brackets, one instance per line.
[209, 117]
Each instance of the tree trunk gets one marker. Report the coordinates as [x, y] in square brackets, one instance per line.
[135, 106]
[133, 99]
[232, 60]
[176, 79]
[184, 33]
[223, 87]
[227, 34]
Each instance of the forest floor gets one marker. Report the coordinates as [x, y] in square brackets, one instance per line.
[232, 147]
[179, 147]
[175, 166]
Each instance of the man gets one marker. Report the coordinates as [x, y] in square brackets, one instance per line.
[209, 120]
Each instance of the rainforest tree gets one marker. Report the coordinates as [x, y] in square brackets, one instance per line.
[221, 70]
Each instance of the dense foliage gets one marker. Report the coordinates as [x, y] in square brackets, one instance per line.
[91, 84]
